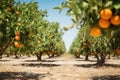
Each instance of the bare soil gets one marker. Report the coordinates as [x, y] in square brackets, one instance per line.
[58, 68]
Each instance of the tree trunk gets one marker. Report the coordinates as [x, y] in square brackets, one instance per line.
[96, 56]
[39, 56]
[115, 54]
[101, 60]
[48, 53]
[109, 56]
[3, 50]
[86, 57]
[7, 55]
[16, 56]
[6, 46]
[77, 55]
[0, 57]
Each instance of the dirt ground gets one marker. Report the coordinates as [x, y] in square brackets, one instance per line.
[58, 68]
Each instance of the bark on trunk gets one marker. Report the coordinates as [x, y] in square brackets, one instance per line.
[7, 55]
[101, 59]
[16, 56]
[77, 55]
[6, 46]
[86, 57]
[109, 57]
[39, 56]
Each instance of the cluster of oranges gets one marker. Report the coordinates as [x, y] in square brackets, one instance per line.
[17, 38]
[11, 7]
[17, 33]
[106, 19]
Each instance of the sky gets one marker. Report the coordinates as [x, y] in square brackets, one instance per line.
[54, 15]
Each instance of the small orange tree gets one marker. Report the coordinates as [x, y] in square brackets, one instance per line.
[115, 42]
[48, 40]
[81, 45]
[75, 48]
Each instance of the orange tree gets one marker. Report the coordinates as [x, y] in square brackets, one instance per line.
[39, 35]
[75, 48]
[100, 17]
[23, 30]
[115, 39]
[18, 25]
[48, 40]
[100, 46]
[7, 16]
[81, 44]
[30, 20]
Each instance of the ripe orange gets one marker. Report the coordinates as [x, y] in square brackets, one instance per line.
[106, 14]
[95, 31]
[20, 45]
[17, 12]
[17, 33]
[16, 44]
[103, 23]
[115, 20]
[17, 38]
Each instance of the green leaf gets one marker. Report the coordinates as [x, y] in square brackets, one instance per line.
[116, 6]
[57, 8]
[109, 3]
[85, 4]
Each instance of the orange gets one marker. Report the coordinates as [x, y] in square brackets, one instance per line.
[104, 23]
[16, 44]
[17, 12]
[115, 20]
[17, 33]
[17, 38]
[95, 31]
[20, 45]
[106, 14]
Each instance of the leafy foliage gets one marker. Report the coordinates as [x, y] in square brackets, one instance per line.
[35, 33]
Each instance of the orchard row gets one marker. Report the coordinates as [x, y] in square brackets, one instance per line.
[98, 22]
[23, 30]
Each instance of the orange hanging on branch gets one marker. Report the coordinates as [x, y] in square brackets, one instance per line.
[17, 38]
[17, 33]
[115, 20]
[106, 14]
[95, 32]
[104, 23]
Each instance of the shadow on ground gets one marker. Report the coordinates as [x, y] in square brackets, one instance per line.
[4, 60]
[107, 77]
[40, 64]
[39, 61]
[94, 65]
[20, 76]
[86, 60]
